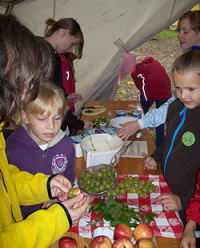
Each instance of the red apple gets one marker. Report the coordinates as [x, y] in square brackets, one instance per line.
[123, 243]
[143, 231]
[122, 231]
[67, 242]
[101, 241]
[145, 243]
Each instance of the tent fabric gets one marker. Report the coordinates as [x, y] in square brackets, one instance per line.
[103, 23]
[128, 65]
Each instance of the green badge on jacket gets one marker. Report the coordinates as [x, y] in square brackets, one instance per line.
[188, 139]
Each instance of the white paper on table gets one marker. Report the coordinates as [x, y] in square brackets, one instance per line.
[135, 149]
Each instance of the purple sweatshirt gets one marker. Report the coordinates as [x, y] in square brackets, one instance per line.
[59, 157]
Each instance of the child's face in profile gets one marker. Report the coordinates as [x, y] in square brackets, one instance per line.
[66, 42]
[187, 85]
[187, 36]
[43, 128]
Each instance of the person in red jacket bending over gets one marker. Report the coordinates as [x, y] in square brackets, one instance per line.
[154, 84]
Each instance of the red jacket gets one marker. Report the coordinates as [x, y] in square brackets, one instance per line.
[68, 81]
[151, 79]
[193, 211]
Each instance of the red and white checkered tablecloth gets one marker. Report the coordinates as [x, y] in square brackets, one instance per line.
[166, 225]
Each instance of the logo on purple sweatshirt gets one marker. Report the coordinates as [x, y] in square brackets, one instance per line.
[59, 164]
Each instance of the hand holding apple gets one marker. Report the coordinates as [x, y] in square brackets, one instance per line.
[143, 231]
[123, 243]
[122, 231]
[67, 242]
[101, 241]
[145, 243]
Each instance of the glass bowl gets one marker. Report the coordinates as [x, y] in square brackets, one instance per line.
[105, 174]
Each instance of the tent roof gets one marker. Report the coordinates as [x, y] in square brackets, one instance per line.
[103, 23]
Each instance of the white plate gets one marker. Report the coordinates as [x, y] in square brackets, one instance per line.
[116, 121]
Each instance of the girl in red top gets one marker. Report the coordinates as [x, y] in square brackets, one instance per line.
[69, 78]
[64, 36]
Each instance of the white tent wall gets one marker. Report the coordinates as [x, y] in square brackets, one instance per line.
[2, 9]
[103, 22]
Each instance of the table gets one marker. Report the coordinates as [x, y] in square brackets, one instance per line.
[127, 167]
[127, 163]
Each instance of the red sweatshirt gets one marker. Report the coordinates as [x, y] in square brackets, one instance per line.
[151, 79]
[68, 81]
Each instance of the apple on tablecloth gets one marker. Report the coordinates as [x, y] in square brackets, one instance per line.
[67, 242]
[143, 231]
[101, 241]
[123, 243]
[123, 231]
[145, 243]
[109, 232]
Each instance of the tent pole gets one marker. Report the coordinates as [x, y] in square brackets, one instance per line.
[10, 5]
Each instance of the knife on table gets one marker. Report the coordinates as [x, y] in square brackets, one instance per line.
[92, 107]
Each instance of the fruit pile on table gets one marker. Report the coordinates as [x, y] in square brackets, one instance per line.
[133, 185]
[123, 236]
[98, 182]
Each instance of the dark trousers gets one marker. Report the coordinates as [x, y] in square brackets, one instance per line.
[198, 242]
[198, 239]
[160, 130]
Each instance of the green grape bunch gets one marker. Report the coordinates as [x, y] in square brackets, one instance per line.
[101, 181]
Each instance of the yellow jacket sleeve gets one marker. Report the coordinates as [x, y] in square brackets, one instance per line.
[39, 230]
[30, 189]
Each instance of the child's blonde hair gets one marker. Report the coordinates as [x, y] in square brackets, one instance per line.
[48, 97]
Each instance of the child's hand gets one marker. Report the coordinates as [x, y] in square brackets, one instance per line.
[128, 129]
[170, 201]
[188, 239]
[88, 124]
[74, 97]
[149, 163]
[59, 186]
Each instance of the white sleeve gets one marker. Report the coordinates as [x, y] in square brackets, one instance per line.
[156, 116]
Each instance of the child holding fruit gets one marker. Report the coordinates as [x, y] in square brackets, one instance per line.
[45, 147]
[179, 154]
